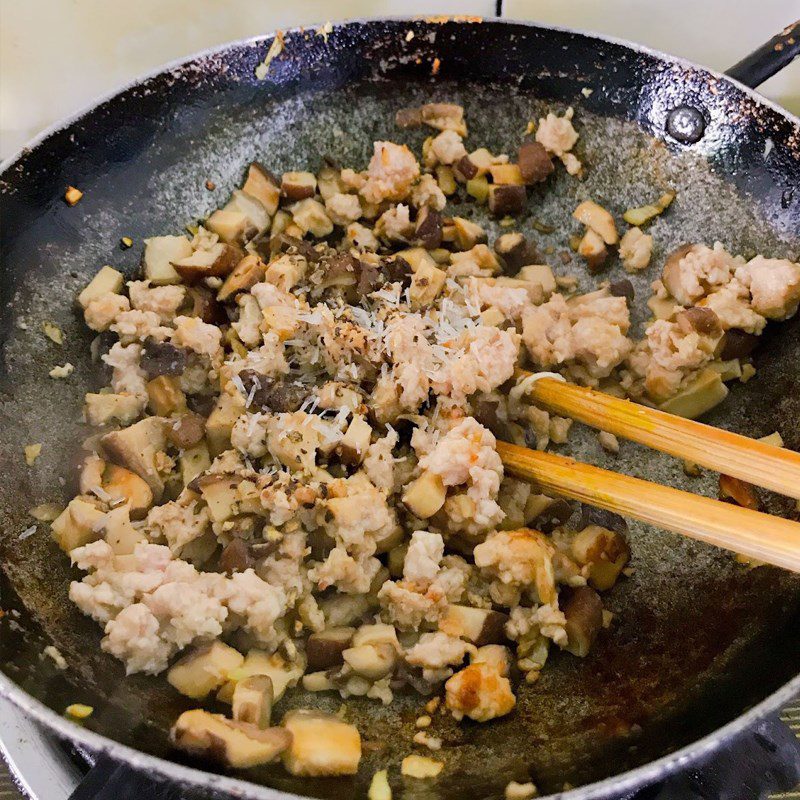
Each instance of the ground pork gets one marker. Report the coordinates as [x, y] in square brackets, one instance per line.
[407, 608]
[132, 326]
[774, 285]
[395, 225]
[510, 301]
[390, 174]
[343, 208]
[127, 376]
[101, 312]
[427, 193]
[635, 249]
[348, 574]
[699, 271]
[425, 552]
[199, 336]
[558, 136]
[162, 300]
[445, 148]
[177, 524]
[379, 464]
[479, 692]
[436, 653]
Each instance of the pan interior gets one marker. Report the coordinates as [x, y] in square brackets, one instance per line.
[696, 638]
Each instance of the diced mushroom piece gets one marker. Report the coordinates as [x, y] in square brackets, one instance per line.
[219, 260]
[220, 422]
[425, 495]
[165, 396]
[344, 609]
[478, 188]
[284, 674]
[103, 409]
[221, 493]
[593, 249]
[663, 307]
[446, 179]
[202, 671]
[355, 441]
[77, 524]
[246, 274]
[465, 169]
[705, 392]
[671, 274]
[194, 461]
[700, 319]
[123, 485]
[310, 215]
[421, 767]
[231, 225]
[643, 214]
[514, 250]
[508, 174]
[252, 208]
[584, 612]
[507, 199]
[136, 448]
[737, 343]
[264, 186]
[321, 744]
[162, 358]
[121, 536]
[604, 551]
[535, 164]
[107, 281]
[428, 228]
[205, 306]
[467, 234]
[597, 219]
[377, 633]
[159, 254]
[318, 682]
[541, 276]
[231, 744]
[444, 117]
[622, 288]
[252, 700]
[187, 431]
[426, 283]
[481, 626]
[324, 649]
[371, 661]
[408, 117]
[298, 185]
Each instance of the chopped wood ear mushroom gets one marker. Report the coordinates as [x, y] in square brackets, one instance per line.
[125, 486]
[593, 249]
[425, 496]
[584, 612]
[535, 163]
[231, 744]
[252, 700]
[597, 219]
[219, 260]
[507, 199]
[321, 744]
[245, 275]
[298, 185]
[481, 626]
[324, 649]
[136, 448]
[264, 186]
[108, 280]
[205, 669]
[604, 551]
[159, 254]
[428, 228]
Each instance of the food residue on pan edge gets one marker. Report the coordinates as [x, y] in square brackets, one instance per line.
[296, 453]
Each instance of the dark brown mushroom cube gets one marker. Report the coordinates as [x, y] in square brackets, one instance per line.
[162, 358]
[737, 343]
[534, 162]
[514, 251]
[235, 557]
[217, 261]
[324, 649]
[622, 288]
[408, 117]
[465, 169]
[480, 626]
[428, 228]
[205, 306]
[298, 185]
[702, 320]
[583, 609]
[187, 431]
[264, 186]
[246, 274]
[507, 199]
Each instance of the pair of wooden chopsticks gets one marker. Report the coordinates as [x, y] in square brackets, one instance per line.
[770, 539]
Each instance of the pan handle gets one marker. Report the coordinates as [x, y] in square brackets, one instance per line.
[768, 59]
[111, 780]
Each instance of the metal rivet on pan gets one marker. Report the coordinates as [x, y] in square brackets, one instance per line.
[686, 124]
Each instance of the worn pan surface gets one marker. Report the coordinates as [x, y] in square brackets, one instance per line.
[697, 639]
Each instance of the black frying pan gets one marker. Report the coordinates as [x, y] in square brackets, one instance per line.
[699, 640]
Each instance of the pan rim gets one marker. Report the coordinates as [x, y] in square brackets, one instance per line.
[176, 65]
[240, 787]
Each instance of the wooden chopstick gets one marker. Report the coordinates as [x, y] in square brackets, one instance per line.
[730, 453]
[773, 540]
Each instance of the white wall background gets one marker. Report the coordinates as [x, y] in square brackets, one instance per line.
[56, 56]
